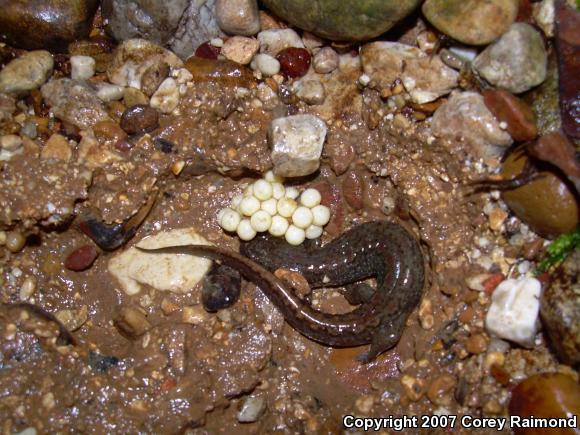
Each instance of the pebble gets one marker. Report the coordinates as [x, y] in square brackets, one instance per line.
[294, 62]
[440, 392]
[414, 388]
[252, 409]
[46, 24]
[166, 98]
[266, 64]
[81, 258]
[275, 40]
[353, 190]
[544, 13]
[208, 51]
[240, 49]
[546, 395]
[464, 119]
[325, 60]
[82, 67]
[139, 118]
[428, 78]
[56, 147]
[28, 288]
[27, 72]
[238, 17]
[476, 344]
[225, 72]
[132, 322]
[519, 117]
[73, 319]
[108, 92]
[15, 241]
[108, 132]
[132, 97]
[98, 47]
[516, 62]
[473, 22]
[10, 142]
[296, 143]
[311, 91]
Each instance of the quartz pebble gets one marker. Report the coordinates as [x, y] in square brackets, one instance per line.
[275, 40]
[252, 409]
[325, 60]
[311, 91]
[108, 92]
[166, 98]
[266, 64]
[238, 17]
[82, 67]
[240, 49]
[26, 72]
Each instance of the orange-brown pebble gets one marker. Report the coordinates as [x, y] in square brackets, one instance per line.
[476, 344]
[440, 391]
[519, 117]
[223, 72]
[546, 395]
[108, 132]
[352, 189]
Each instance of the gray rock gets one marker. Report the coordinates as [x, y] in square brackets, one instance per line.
[465, 121]
[181, 25]
[252, 409]
[296, 143]
[74, 102]
[26, 72]
[516, 62]
[325, 60]
[238, 17]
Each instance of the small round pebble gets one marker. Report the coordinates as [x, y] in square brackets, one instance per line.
[313, 232]
[262, 190]
[302, 217]
[279, 226]
[266, 64]
[270, 206]
[294, 62]
[320, 215]
[15, 241]
[245, 230]
[249, 205]
[292, 192]
[294, 235]
[230, 219]
[82, 258]
[261, 221]
[278, 190]
[139, 118]
[310, 198]
[286, 206]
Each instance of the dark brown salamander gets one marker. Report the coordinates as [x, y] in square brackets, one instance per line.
[382, 250]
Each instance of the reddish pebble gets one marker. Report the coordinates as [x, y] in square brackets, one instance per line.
[207, 51]
[519, 117]
[352, 189]
[294, 62]
[139, 118]
[492, 282]
[81, 258]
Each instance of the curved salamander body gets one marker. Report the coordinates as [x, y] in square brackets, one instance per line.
[381, 250]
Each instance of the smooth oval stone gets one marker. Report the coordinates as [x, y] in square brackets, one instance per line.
[473, 22]
[343, 20]
[546, 204]
[49, 24]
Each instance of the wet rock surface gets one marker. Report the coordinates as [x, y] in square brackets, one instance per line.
[26, 73]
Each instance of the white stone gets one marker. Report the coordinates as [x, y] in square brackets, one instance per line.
[325, 60]
[312, 41]
[513, 314]
[311, 91]
[274, 40]
[82, 67]
[240, 49]
[238, 17]
[428, 78]
[296, 143]
[266, 64]
[108, 92]
[544, 13]
[167, 272]
[26, 72]
[166, 97]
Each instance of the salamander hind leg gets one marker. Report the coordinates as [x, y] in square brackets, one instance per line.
[386, 337]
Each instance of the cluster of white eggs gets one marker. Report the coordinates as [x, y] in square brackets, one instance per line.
[267, 205]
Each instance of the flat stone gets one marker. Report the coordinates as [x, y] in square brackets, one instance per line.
[238, 17]
[519, 117]
[296, 143]
[240, 49]
[343, 20]
[49, 24]
[27, 72]
[472, 22]
[466, 122]
[516, 62]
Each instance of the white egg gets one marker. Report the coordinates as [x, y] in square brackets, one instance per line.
[279, 226]
[294, 235]
[278, 190]
[245, 230]
[292, 192]
[286, 207]
[249, 191]
[313, 232]
[261, 221]
[236, 200]
[272, 178]
[302, 217]
[321, 215]
[269, 206]
[263, 190]
[249, 205]
[230, 219]
[310, 198]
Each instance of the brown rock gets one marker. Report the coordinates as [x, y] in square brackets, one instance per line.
[108, 132]
[352, 189]
[132, 322]
[476, 344]
[81, 258]
[57, 147]
[440, 390]
[223, 72]
[520, 120]
[51, 24]
[139, 118]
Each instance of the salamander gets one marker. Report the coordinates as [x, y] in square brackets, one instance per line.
[382, 250]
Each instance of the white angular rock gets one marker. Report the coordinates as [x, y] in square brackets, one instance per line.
[325, 60]
[26, 72]
[108, 92]
[428, 78]
[296, 143]
[311, 91]
[513, 314]
[465, 121]
[166, 272]
[517, 61]
[238, 17]
[82, 67]
[240, 49]
[166, 98]
[274, 40]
